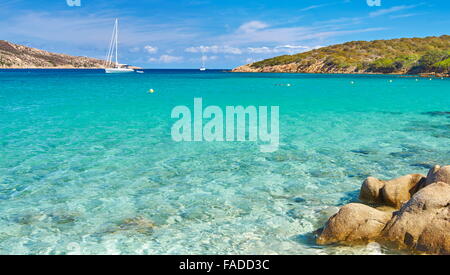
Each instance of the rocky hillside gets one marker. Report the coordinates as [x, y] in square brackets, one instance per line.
[429, 55]
[18, 56]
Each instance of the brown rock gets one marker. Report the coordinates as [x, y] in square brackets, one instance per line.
[371, 190]
[354, 224]
[423, 223]
[439, 174]
[393, 192]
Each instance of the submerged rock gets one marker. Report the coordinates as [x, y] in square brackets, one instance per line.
[361, 152]
[393, 192]
[299, 200]
[138, 224]
[437, 113]
[422, 165]
[355, 223]
[423, 224]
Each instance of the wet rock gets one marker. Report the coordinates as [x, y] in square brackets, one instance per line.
[354, 224]
[393, 192]
[439, 174]
[423, 224]
[329, 212]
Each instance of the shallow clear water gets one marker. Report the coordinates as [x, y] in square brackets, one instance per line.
[87, 163]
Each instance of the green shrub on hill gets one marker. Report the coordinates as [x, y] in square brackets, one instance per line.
[383, 56]
[442, 66]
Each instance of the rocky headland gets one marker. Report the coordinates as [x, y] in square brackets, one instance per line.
[429, 56]
[410, 213]
[22, 57]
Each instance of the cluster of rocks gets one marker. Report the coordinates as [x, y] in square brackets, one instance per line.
[411, 212]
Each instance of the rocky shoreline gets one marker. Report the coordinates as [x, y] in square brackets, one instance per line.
[408, 213]
[403, 56]
[295, 68]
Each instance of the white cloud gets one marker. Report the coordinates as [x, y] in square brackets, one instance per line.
[209, 58]
[151, 49]
[391, 10]
[252, 26]
[93, 30]
[404, 15]
[313, 7]
[290, 49]
[214, 49]
[134, 50]
[205, 58]
[260, 50]
[166, 59]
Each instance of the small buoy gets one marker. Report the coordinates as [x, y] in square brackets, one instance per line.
[417, 79]
[352, 82]
[151, 91]
[289, 85]
[431, 79]
[390, 81]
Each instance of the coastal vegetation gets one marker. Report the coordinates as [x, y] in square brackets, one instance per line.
[400, 56]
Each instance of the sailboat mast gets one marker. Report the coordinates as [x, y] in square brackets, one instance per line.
[203, 57]
[117, 40]
[114, 50]
[111, 49]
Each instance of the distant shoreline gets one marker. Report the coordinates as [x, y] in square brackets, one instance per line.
[364, 73]
[47, 68]
[136, 68]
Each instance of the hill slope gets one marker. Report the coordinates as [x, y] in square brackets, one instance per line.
[399, 56]
[18, 56]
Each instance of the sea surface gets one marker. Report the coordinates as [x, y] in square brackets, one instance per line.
[88, 165]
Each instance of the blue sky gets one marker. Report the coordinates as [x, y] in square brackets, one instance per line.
[170, 33]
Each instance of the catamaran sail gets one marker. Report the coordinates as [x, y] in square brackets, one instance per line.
[110, 66]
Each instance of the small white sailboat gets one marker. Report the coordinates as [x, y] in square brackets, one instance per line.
[110, 66]
[203, 68]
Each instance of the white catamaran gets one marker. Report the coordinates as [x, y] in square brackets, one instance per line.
[110, 66]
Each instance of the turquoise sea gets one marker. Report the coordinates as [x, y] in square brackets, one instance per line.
[87, 163]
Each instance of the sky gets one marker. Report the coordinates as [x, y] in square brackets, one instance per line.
[173, 33]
